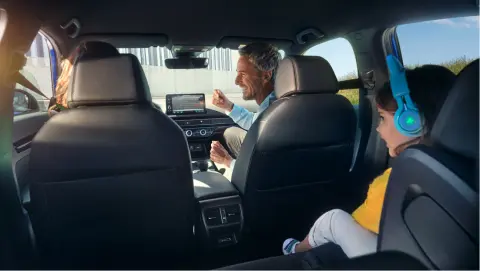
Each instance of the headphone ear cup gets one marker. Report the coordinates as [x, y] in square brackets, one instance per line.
[408, 122]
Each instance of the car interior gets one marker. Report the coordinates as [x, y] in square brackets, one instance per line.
[123, 178]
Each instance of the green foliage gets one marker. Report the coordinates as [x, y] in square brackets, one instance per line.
[455, 65]
[351, 94]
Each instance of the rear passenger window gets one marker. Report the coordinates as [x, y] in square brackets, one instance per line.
[452, 43]
[339, 53]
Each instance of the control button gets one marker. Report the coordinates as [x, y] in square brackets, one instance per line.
[223, 215]
[203, 132]
[227, 239]
[195, 147]
[188, 133]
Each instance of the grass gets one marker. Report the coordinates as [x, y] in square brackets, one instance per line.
[351, 94]
[455, 65]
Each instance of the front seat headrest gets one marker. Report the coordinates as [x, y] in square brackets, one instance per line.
[97, 49]
[304, 74]
[456, 127]
[117, 80]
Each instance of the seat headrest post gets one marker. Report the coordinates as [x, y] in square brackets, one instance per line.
[456, 127]
[305, 74]
[115, 80]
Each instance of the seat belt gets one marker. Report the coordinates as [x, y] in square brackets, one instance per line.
[20, 78]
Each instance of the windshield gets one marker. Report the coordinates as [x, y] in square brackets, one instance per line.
[220, 73]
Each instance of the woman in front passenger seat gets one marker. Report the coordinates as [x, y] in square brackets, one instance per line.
[62, 84]
[356, 233]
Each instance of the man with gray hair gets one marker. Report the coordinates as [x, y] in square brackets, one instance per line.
[255, 75]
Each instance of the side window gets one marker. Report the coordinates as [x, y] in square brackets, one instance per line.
[37, 71]
[452, 43]
[339, 53]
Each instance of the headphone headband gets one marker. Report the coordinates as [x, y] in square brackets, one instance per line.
[407, 118]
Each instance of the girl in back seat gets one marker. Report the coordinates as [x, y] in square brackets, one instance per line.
[356, 233]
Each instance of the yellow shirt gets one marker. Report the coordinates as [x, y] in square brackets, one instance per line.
[368, 214]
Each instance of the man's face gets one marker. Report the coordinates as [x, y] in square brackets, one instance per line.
[248, 78]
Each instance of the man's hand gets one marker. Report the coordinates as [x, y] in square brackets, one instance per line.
[220, 100]
[219, 154]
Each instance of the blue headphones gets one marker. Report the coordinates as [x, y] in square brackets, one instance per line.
[407, 118]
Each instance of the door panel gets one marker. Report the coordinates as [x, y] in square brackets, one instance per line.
[25, 127]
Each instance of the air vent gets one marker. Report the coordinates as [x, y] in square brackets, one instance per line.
[213, 217]
[206, 121]
[233, 213]
[180, 122]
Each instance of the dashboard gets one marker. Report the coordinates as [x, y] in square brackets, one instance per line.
[199, 123]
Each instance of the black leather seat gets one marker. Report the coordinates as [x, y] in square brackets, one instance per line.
[295, 157]
[431, 206]
[111, 182]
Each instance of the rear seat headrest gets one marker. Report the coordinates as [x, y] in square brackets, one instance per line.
[116, 80]
[305, 74]
[456, 127]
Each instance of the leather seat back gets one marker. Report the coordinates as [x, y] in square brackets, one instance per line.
[111, 177]
[297, 153]
[431, 205]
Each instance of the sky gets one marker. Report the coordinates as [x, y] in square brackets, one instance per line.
[431, 42]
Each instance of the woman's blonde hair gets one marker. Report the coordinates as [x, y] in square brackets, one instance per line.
[64, 78]
[95, 48]
[63, 81]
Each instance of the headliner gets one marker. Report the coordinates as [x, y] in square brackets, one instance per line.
[206, 22]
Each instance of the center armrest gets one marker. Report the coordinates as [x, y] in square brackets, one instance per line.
[211, 184]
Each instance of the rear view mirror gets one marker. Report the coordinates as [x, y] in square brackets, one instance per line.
[186, 63]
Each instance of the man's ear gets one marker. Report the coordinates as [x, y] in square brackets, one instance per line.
[267, 76]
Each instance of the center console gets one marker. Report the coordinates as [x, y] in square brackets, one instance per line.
[221, 216]
[198, 123]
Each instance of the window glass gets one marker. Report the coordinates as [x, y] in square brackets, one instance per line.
[339, 53]
[37, 71]
[452, 42]
[220, 74]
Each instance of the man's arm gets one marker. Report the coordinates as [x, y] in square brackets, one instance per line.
[241, 116]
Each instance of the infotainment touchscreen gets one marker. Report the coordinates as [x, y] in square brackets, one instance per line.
[181, 104]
